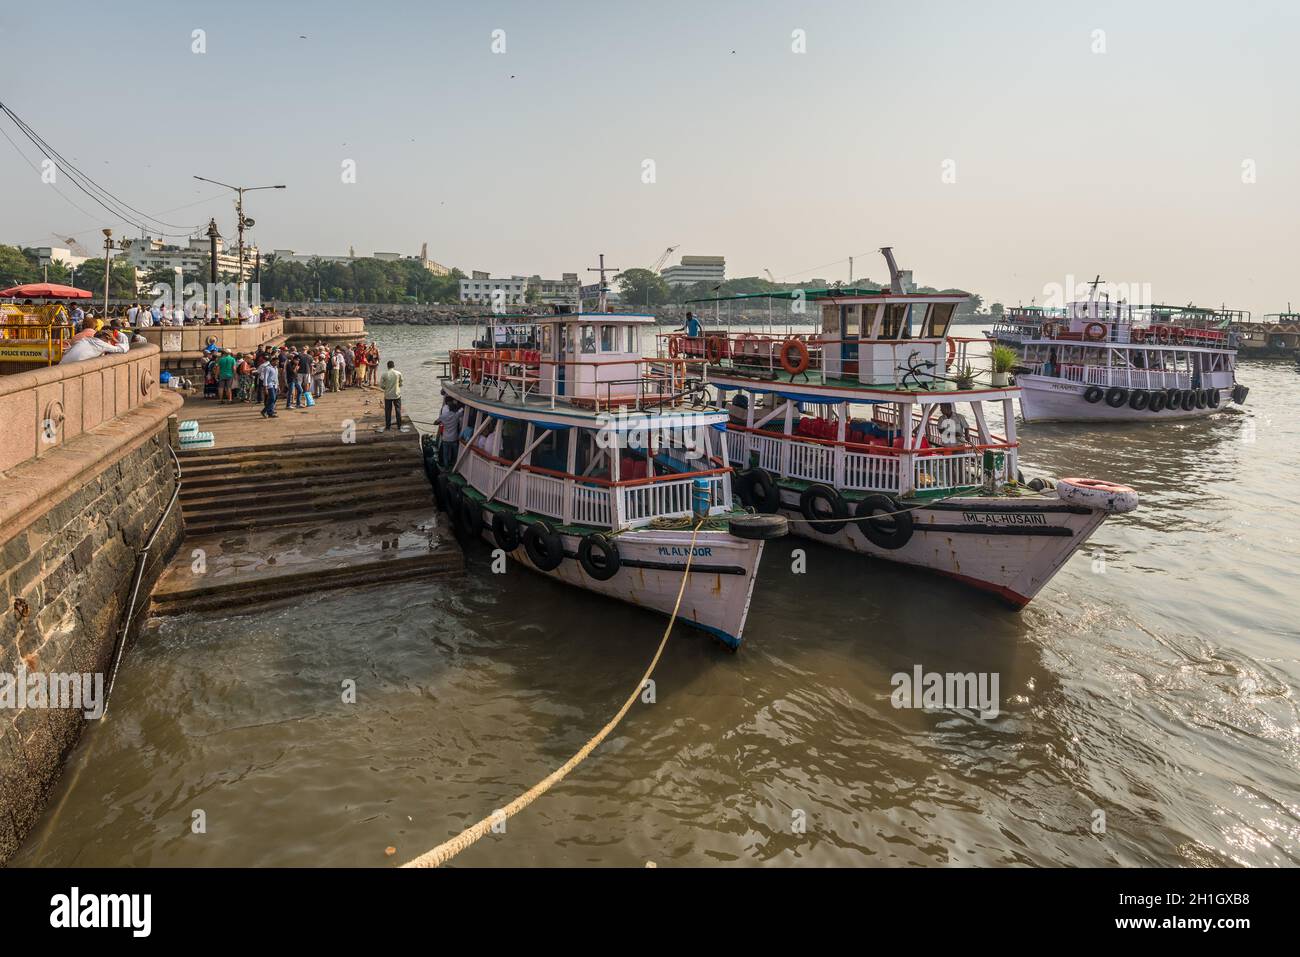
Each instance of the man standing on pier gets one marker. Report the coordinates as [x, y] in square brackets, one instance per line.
[391, 383]
[269, 375]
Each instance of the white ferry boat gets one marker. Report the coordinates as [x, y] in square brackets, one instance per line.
[1103, 363]
[591, 464]
[1018, 325]
[875, 436]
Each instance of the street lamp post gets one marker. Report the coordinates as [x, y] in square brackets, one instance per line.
[108, 251]
[242, 223]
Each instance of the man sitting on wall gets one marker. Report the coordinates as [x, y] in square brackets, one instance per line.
[92, 347]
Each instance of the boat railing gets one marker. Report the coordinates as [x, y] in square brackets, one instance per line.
[817, 358]
[643, 384]
[1128, 377]
[588, 500]
[858, 467]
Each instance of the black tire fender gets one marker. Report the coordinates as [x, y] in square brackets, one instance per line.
[828, 520]
[1172, 398]
[767, 494]
[1188, 401]
[1116, 396]
[471, 516]
[452, 495]
[892, 530]
[1202, 398]
[598, 555]
[1093, 394]
[758, 528]
[544, 546]
[1139, 399]
[742, 488]
[1215, 398]
[505, 530]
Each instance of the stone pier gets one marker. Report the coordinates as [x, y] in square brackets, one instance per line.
[87, 474]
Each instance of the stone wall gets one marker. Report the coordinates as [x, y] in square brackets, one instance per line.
[72, 522]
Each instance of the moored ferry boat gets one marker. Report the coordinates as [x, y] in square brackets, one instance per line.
[1105, 363]
[874, 436]
[587, 462]
[1018, 325]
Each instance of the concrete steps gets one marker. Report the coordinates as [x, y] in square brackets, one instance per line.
[309, 514]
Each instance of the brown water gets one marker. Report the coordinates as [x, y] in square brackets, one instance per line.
[1155, 679]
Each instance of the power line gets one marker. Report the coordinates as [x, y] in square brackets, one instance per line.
[91, 188]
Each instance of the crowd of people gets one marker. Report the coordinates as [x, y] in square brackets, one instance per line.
[299, 375]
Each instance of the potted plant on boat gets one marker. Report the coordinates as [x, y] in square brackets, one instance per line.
[966, 378]
[1004, 360]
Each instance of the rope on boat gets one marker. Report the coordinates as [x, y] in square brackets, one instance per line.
[445, 851]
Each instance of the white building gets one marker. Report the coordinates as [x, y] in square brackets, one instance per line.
[693, 269]
[46, 255]
[149, 254]
[511, 291]
[548, 291]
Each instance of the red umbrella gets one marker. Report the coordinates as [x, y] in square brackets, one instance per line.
[44, 290]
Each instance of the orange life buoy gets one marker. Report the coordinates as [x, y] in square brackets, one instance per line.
[1101, 331]
[714, 348]
[794, 366]
[952, 350]
[674, 346]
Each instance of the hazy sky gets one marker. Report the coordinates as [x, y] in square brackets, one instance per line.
[1127, 162]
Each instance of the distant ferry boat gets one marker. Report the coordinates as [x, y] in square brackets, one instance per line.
[1275, 336]
[1018, 325]
[874, 437]
[1101, 364]
[590, 464]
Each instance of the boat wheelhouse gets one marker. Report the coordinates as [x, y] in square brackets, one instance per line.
[876, 435]
[587, 462]
[1109, 363]
[1019, 324]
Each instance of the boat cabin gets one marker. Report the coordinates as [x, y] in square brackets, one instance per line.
[868, 336]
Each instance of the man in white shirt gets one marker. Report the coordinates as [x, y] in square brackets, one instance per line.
[449, 426]
[269, 376]
[92, 347]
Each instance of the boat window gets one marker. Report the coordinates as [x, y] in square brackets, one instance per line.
[631, 340]
[894, 314]
[916, 318]
[852, 321]
[553, 451]
[941, 318]
[587, 338]
[609, 338]
[831, 319]
[546, 340]
[514, 435]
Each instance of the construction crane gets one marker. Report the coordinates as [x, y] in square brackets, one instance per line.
[663, 258]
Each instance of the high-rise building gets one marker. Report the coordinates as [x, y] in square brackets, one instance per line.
[693, 269]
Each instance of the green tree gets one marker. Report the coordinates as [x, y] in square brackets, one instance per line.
[121, 284]
[641, 287]
[15, 268]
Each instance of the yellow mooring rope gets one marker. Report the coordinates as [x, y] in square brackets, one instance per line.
[449, 849]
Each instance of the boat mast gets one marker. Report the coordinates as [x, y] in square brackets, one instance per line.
[602, 303]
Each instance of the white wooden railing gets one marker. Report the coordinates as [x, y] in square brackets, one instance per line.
[957, 470]
[578, 502]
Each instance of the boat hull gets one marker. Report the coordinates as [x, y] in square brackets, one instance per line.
[1047, 399]
[1009, 547]
[719, 586]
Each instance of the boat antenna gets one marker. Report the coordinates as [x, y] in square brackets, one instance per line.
[604, 289]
